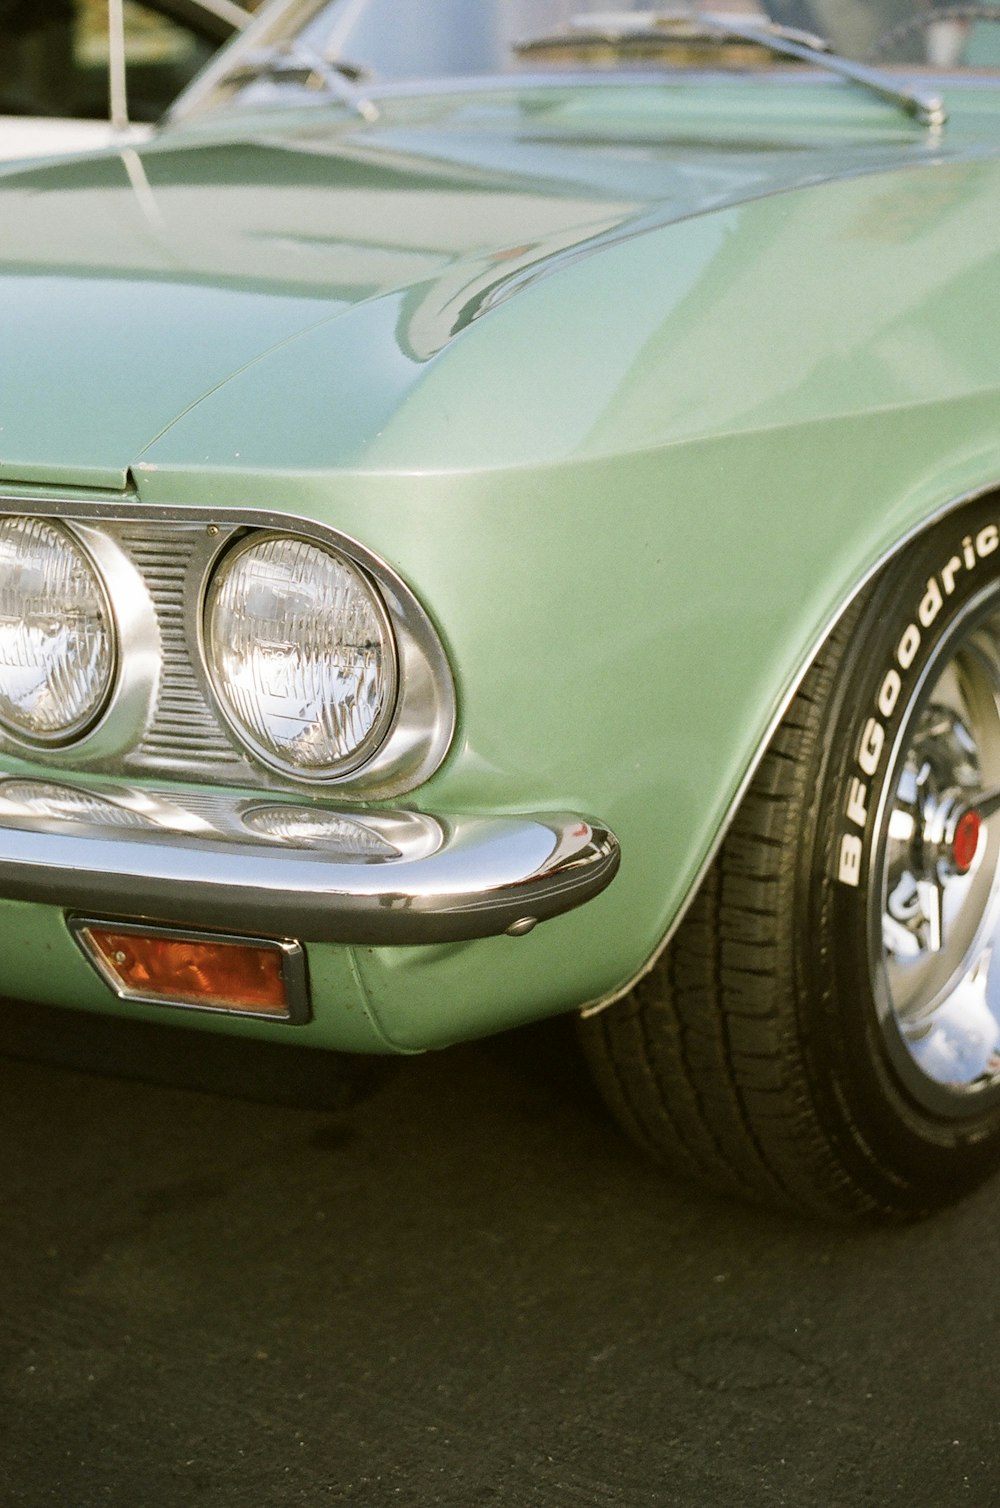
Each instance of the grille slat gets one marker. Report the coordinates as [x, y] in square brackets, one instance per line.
[185, 734]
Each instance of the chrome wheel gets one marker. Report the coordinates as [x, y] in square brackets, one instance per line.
[935, 899]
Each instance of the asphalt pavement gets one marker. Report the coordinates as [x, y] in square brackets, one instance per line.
[235, 1275]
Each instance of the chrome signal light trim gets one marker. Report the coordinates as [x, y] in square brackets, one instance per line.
[290, 956]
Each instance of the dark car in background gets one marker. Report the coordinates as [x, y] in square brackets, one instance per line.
[54, 66]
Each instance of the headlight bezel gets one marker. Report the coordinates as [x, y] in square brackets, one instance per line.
[162, 719]
[368, 746]
[425, 715]
[123, 708]
[76, 728]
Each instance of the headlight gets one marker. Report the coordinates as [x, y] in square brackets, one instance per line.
[57, 639]
[300, 655]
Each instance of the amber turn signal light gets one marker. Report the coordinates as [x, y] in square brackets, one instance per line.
[161, 966]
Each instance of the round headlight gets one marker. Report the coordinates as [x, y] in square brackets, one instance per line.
[57, 639]
[300, 655]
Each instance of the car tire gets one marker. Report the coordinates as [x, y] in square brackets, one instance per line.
[822, 1031]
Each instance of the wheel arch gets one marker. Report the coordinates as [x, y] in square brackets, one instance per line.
[882, 560]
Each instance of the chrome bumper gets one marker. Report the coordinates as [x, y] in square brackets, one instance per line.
[292, 869]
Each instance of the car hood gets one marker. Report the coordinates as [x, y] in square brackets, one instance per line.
[134, 284]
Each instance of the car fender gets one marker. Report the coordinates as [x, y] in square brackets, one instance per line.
[635, 496]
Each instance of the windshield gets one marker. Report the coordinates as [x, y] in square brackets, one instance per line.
[300, 43]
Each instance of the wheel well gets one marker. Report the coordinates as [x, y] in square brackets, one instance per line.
[881, 563]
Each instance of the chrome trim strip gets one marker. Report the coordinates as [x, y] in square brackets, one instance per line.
[137, 646]
[293, 968]
[424, 880]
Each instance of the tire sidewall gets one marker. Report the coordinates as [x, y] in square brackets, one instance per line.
[903, 636]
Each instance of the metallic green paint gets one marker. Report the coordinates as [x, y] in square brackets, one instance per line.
[633, 406]
[42, 963]
[248, 238]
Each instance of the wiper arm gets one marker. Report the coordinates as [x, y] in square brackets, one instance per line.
[665, 27]
[928, 108]
[337, 77]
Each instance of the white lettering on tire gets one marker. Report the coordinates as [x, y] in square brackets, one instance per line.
[871, 744]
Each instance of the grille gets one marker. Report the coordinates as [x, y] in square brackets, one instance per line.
[185, 735]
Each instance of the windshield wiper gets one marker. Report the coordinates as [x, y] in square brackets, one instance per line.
[338, 78]
[670, 27]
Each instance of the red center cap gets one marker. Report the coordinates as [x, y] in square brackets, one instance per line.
[966, 841]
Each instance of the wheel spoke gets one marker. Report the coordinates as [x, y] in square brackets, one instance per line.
[987, 803]
[930, 895]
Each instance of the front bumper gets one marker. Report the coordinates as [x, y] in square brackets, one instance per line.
[315, 873]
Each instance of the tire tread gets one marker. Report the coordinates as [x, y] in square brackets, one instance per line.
[700, 1061]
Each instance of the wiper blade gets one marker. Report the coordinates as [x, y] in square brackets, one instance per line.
[670, 27]
[337, 77]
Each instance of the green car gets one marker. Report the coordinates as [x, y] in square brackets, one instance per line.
[500, 517]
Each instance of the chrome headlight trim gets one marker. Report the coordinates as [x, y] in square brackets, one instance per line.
[424, 721]
[82, 681]
[367, 746]
[125, 706]
[424, 717]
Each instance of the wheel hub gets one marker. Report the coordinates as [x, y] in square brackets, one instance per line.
[934, 833]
